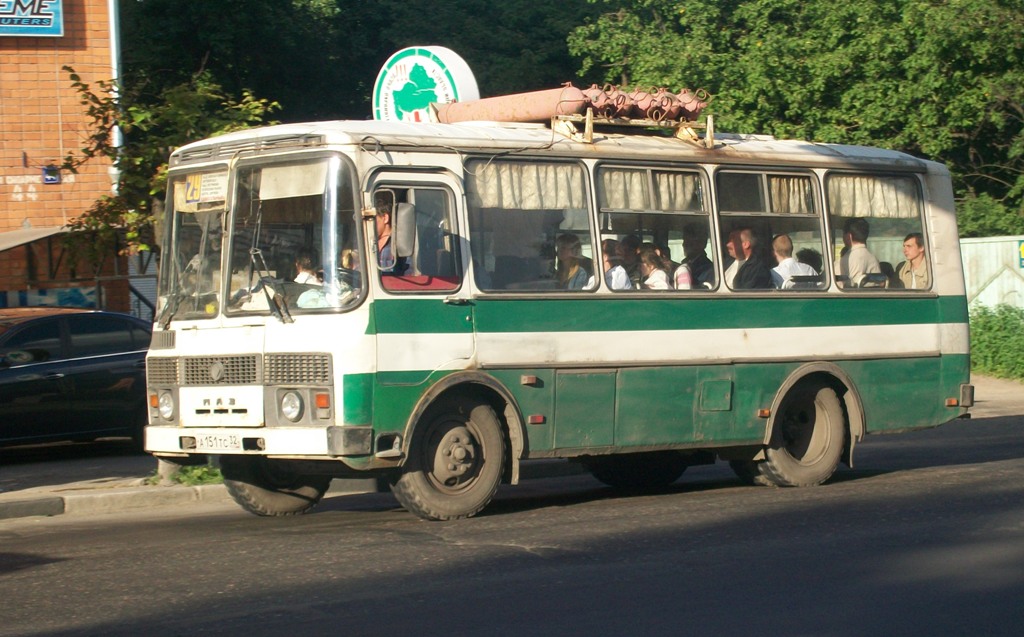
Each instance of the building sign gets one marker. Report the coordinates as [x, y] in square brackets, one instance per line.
[416, 77]
[1020, 253]
[32, 18]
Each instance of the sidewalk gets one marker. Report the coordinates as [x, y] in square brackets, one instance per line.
[95, 488]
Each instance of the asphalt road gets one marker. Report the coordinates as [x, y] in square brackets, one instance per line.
[925, 536]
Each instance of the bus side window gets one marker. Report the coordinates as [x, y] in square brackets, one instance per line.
[666, 209]
[879, 232]
[771, 221]
[529, 227]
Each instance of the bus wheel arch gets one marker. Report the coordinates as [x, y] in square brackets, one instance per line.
[459, 444]
[811, 430]
[816, 417]
[844, 387]
[487, 388]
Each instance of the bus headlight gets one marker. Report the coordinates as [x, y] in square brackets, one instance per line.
[165, 405]
[291, 406]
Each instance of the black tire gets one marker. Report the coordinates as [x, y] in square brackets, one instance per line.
[749, 472]
[807, 438]
[269, 487]
[637, 471]
[455, 464]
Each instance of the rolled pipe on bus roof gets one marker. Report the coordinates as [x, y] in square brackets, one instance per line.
[537, 106]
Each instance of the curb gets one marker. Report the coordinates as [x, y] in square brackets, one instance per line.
[92, 501]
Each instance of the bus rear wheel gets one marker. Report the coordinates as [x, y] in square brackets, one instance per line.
[807, 439]
[269, 487]
[632, 471]
[455, 461]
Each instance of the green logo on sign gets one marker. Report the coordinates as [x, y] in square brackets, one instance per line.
[414, 78]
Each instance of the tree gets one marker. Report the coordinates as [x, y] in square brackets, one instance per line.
[151, 129]
[320, 58]
[943, 80]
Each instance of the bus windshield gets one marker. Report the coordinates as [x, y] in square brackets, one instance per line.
[291, 243]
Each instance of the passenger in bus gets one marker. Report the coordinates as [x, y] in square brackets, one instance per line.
[570, 272]
[387, 260]
[782, 248]
[696, 269]
[913, 273]
[652, 267]
[734, 255]
[856, 261]
[752, 273]
[615, 276]
[304, 270]
[629, 252]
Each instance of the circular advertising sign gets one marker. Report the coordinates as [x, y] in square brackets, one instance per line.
[416, 77]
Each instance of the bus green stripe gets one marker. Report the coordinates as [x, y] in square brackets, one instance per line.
[425, 316]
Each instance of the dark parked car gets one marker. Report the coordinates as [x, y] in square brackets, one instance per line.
[68, 374]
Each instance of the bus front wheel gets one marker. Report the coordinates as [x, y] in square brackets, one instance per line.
[455, 461]
[807, 439]
[269, 488]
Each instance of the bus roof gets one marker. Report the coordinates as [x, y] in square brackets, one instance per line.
[502, 136]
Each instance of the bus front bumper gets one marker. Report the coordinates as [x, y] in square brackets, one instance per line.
[322, 442]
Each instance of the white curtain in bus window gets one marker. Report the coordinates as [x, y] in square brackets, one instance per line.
[678, 191]
[790, 194]
[873, 196]
[622, 189]
[526, 186]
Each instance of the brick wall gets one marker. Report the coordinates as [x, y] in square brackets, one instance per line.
[41, 121]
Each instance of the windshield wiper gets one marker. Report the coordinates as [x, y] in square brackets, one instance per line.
[175, 297]
[276, 301]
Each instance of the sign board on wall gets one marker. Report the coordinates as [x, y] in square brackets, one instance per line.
[32, 18]
[418, 76]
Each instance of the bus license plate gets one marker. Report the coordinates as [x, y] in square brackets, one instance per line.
[214, 442]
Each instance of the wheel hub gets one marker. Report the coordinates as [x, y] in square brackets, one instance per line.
[455, 460]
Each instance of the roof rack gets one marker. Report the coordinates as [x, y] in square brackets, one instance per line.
[569, 126]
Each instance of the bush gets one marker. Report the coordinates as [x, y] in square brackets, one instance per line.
[997, 341]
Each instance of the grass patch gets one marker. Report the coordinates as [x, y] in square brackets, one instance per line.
[997, 341]
[191, 476]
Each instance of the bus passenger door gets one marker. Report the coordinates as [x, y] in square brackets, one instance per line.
[422, 313]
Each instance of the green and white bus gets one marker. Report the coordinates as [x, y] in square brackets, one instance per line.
[432, 304]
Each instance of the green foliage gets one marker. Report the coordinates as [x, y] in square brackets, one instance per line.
[938, 79]
[193, 475]
[997, 341]
[320, 58]
[150, 129]
[983, 216]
